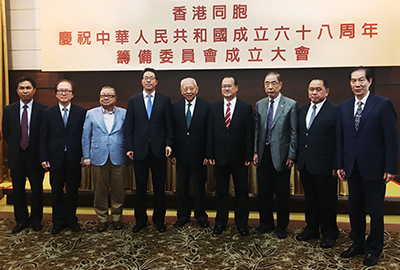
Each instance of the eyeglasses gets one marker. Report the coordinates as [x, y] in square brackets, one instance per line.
[226, 86]
[273, 83]
[107, 96]
[64, 91]
[148, 78]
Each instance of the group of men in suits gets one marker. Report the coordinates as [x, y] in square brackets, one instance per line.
[356, 141]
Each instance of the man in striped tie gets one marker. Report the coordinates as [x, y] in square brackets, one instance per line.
[230, 147]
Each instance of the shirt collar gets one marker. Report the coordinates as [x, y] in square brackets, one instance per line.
[363, 100]
[232, 102]
[277, 99]
[62, 107]
[193, 102]
[319, 105]
[107, 112]
[145, 94]
[29, 104]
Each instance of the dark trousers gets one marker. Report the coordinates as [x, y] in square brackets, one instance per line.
[68, 177]
[158, 168]
[320, 193]
[362, 193]
[240, 180]
[199, 178]
[35, 173]
[271, 182]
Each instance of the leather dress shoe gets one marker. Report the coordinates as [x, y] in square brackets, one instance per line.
[101, 227]
[218, 229]
[75, 227]
[138, 227]
[161, 227]
[306, 236]
[19, 228]
[327, 243]
[181, 222]
[370, 260]
[281, 233]
[243, 231]
[37, 228]
[352, 251]
[203, 223]
[56, 229]
[117, 225]
[263, 229]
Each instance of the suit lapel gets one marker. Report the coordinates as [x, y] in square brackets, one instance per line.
[303, 117]
[236, 112]
[182, 113]
[100, 118]
[369, 105]
[279, 110]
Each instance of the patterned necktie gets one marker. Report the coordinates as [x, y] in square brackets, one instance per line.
[149, 106]
[313, 113]
[228, 116]
[357, 116]
[188, 115]
[24, 128]
[270, 119]
[65, 116]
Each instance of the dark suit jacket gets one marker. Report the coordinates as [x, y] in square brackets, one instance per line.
[54, 136]
[190, 144]
[375, 145]
[140, 132]
[317, 145]
[233, 146]
[11, 127]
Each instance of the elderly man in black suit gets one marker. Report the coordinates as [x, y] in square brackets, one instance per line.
[149, 137]
[189, 152]
[21, 127]
[230, 148]
[317, 163]
[61, 154]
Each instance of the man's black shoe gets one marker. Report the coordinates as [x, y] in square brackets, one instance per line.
[370, 260]
[327, 243]
[351, 252]
[218, 229]
[161, 227]
[56, 230]
[19, 228]
[281, 233]
[75, 227]
[203, 223]
[306, 236]
[243, 231]
[37, 228]
[181, 222]
[138, 227]
[263, 229]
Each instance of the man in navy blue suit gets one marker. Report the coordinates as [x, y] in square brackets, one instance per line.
[368, 149]
[61, 154]
[148, 141]
[189, 152]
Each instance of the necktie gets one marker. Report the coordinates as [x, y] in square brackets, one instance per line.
[270, 119]
[24, 128]
[357, 116]
[188, 115]
[149, 106]
[228, 116]
[65, 116]
[313, 113]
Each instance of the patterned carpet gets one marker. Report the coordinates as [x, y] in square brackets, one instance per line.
[187, 248]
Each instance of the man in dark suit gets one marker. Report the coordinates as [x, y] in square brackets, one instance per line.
[230, 144]
[189, 152]
[317, 163]
[367, 157]
[275, 149]
[61, 154]
[149, 136]
[21, 127]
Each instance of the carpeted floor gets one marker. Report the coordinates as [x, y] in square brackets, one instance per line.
[187, 248]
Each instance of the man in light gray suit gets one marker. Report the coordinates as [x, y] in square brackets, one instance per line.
[275, 149]
[103, 149]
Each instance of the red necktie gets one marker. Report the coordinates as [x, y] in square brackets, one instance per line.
[228, 116]
[24, 128]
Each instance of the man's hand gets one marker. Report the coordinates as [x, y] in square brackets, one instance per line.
[334, 173]
[168, 151]
[289, 163]
[45, 165]
[211, 161]
[173, 161]
[255, 159]
[205, 162]
[247, 163]
[130, 154]
[342, 175]
[388, 177]
[87, 164]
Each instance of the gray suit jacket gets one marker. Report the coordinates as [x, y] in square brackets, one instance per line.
[283, 133]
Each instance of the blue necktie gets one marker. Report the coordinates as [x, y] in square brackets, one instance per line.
[188, 115]
[65, 116]
[149, 106]
[313, 113]
[270, 119]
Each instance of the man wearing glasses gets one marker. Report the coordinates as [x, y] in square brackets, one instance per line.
[61, 154]
[275, 150]
[148, 140]
[103, 151]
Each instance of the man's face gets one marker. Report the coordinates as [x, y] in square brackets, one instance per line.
[317, 91]
[64, 93]
[359, 83]
[107, 98]
[149, 81]
[272, 85]
[189, 89]
[26, 91]
[228, 88]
